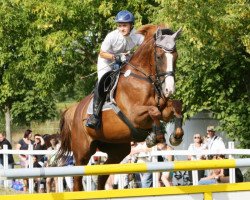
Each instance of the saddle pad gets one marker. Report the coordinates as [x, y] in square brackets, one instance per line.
[106, 106]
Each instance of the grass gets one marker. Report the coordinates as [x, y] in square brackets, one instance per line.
[8, 191]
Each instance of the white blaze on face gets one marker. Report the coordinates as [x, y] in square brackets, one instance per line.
[169, 84]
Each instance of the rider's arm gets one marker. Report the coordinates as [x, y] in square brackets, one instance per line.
[106, 55]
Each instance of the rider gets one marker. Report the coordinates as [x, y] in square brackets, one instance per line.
[114, 49]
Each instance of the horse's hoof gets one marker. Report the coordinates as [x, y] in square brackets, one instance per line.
[174, 141]
[151, 140]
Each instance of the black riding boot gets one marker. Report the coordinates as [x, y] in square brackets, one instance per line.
[94, 120]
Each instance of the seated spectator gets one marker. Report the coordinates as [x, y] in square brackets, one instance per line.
[196, 146]
[225, 177]
[213, 177]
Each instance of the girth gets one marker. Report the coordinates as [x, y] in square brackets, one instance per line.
[138, 135]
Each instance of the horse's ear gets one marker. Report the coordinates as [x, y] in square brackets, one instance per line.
[158, 33]
[176, 34]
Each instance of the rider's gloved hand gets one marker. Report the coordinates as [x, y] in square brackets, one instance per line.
[120, 58]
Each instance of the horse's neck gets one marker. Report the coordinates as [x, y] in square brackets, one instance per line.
[136, 87]
[143, 59]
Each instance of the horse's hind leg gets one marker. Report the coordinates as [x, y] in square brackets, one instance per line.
[82, 155]
[78, 184]
[116, 153]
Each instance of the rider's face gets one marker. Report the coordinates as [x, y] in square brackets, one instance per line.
[124, 28]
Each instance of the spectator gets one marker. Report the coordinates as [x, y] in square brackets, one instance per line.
[225, 177]
[4, 141]
[167, 176]
[144, 180]
[196, 146]
[50, 181]
[67, 161]
[69, 179]
[23, 144]
[39, 144]
[214, 142]
[128, 179]
[39, 182]
[213, 177]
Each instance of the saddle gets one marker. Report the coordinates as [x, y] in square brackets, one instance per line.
[106, 89]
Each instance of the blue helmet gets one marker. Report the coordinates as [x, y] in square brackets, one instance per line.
[124, 16]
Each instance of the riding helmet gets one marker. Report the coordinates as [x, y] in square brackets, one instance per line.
[125, 16]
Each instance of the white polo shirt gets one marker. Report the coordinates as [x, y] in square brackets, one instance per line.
[215, 143]
[116, 43]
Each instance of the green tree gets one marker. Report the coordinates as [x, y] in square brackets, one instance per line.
[213, 68]
[47, 47]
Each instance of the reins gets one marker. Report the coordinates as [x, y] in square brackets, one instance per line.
[156, 82]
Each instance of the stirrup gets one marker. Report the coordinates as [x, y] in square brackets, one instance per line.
[93, 122]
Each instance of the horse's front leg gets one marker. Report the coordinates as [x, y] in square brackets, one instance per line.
[174, 110]
[157, 135]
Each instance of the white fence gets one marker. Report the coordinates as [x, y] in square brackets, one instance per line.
[231, 152]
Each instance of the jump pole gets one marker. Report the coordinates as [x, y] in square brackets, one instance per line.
[123, 168]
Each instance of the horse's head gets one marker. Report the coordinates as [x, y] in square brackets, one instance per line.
[165, 59]
[159, 49]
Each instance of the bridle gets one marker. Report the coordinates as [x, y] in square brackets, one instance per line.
[158, 82]
[155, 79]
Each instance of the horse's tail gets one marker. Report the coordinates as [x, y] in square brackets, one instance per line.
[65, 133]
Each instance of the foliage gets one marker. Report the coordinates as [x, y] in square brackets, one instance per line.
[213, 67]
[47, 49]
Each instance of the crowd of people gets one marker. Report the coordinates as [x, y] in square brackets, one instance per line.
[139, 154]
[38, 142]
[211, 142]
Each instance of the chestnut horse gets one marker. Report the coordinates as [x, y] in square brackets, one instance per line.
[142, 96]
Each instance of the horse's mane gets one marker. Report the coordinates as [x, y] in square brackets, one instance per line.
[149, 31]
[146, 47]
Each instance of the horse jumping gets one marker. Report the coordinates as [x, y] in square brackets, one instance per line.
[142, 95]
